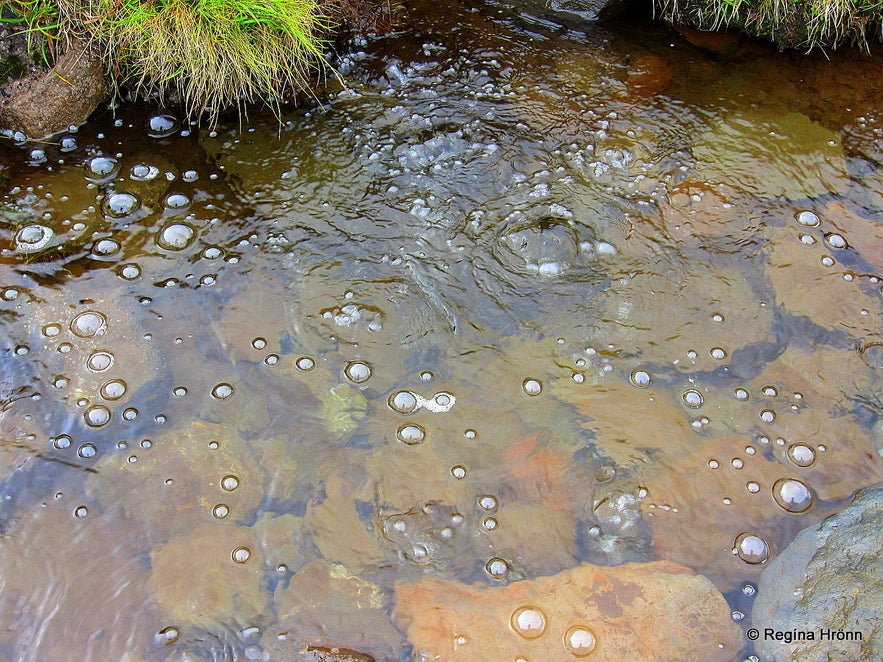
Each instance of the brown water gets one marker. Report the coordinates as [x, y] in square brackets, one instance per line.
[528, 295]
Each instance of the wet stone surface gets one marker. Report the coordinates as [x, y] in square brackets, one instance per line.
[529, 305]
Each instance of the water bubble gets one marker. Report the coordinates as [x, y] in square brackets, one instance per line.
[741, 394]
[792, 495]
[357, 372]
[241, 554]
[167, 636]
[578, 377]
[488, 502]
[229, 483]
[179, 391]
[161, 126]
[67, 144]
[120, 204]
[718, 353]
[99, 361]
[489, 523]
[751, 548]
[97, 416]
[717, 317]
[458, 472]
[770, 391]
[220, 511]
[175, 236]
[65, 347]
[271, 359]
[61, 442]
[426, 376]
[101, 168]
[143, 172]
[129, 271]
[21, 350]
[89, 324]
[212, 252]
[113, 390]
[807, 219]
[87, 451]
[532, 386]
[801, 455]
[403, 402]
[419, 553]
[442, 399]
[641, 378]
[835, 240]
[752, 487]
[33, 238]
[176, 201]
[529, 622]
[767, 415]
[60, 381]
[411, 434]
[580, 641]
[189, 175]
[80, 512]
[497, 568]
[807, 239]
[259, 343]
[9, 294]
[105, 248]
[130, 414]
[222, 391]
[305, 363]
[693, 398]
[470, 434]
[872, 355]
[749, 590]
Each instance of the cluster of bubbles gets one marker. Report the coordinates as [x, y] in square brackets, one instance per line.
[530, 622]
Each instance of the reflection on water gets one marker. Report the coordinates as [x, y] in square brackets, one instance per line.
[529, 296]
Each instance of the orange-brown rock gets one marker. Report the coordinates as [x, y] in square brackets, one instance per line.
[637, 612]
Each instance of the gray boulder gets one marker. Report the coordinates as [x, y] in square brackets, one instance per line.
[592, 10]
[821, 599]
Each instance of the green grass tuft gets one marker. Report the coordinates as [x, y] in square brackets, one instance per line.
[803, 24]
[211, 53]
[41, 20]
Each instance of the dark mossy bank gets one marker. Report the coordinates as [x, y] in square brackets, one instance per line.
[209, 56]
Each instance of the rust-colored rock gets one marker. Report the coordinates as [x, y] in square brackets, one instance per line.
[640, 612]
[47, 102]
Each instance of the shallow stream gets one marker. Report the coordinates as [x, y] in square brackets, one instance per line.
[529, 294]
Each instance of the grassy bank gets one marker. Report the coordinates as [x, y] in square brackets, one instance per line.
[211, 54]
[207, 54]
[801, 24]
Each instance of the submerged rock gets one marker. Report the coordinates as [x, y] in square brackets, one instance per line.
[638, 612]
[330, 612]
[828, 583]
